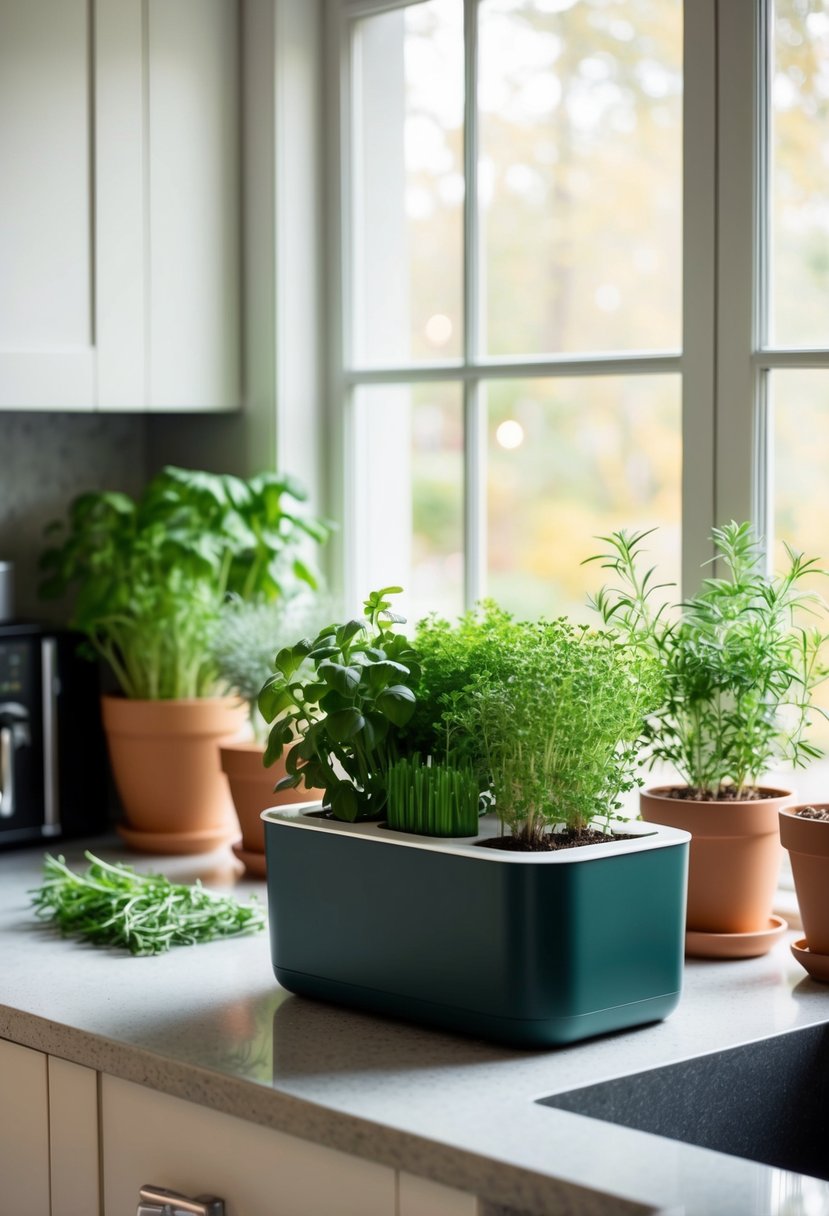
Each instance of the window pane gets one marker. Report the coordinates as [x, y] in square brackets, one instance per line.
[800, 174]
[570, 460]
[580, 174]
[409, 494]
[408, 184]
[801, 486]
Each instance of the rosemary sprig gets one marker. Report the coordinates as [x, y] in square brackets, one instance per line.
[144, 913]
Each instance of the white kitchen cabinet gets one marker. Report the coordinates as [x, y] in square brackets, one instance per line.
[49, 1161]
[420, 1197]
[24, 1131]
[120, 246]
[150, 1137]
[73, 1139]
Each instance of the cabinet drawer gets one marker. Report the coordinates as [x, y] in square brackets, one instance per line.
[149, 1137]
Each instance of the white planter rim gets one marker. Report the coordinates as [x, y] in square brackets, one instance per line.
[301, 816]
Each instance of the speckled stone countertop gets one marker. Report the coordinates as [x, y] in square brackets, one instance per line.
[210, 1024]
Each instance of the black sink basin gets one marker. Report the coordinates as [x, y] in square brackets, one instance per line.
[766, 1101]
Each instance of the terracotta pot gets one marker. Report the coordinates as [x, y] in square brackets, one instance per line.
[808, 843]
[251, 787]
[735, 857]
[165, 763]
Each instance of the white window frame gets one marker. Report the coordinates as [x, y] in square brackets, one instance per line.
[725, 359]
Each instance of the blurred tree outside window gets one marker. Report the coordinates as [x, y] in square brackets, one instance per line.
[521, 268]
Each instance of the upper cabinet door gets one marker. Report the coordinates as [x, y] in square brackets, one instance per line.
[46, 221]
[120, 242]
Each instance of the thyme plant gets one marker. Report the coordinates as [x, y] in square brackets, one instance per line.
[739, 663]
[559, 733]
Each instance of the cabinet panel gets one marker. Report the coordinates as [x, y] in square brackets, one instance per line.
[420, 1197]
[194, 203]
[120, 237]
[73, 1138]
[150, 1137]
[45, 221]
[46, 358]
[24, 1131]
[120, 226]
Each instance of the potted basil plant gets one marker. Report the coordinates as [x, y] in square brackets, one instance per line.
[540, 922]
[148, 578]
[740, 660]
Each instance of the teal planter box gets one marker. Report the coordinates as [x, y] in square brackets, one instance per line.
[530, 949]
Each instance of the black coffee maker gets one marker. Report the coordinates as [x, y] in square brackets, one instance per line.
[53, 766]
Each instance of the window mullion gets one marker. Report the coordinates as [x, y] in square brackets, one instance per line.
[475, 452]
[739, 444]
[699, 287]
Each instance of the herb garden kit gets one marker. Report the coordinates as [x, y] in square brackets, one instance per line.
[531, 949]
[534, 926]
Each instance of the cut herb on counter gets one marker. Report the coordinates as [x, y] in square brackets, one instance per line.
[144, 913]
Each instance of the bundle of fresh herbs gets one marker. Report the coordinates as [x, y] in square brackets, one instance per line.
[144, 913]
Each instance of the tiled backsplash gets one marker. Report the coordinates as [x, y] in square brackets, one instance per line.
[45, 461]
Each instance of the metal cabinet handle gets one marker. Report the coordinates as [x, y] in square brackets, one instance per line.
[158, 1201]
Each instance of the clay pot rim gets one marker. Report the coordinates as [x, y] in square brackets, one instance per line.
[120, 698]
[771, 794]
[791, 813]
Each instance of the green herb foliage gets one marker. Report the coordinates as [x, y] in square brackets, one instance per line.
[144, 913]
[456, 658]
[739, 667]
[432, 800]
[248, 636]
[346, 697]
[559, 733]
[149, 576]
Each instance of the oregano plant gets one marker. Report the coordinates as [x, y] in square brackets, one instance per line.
[740, 659]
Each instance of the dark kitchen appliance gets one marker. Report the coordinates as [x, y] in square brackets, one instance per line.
[53, 767]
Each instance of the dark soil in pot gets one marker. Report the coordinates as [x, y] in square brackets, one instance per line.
[552, 841]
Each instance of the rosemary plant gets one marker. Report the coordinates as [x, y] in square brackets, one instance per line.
[739, 662]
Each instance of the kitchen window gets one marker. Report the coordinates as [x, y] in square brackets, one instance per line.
[583, 250]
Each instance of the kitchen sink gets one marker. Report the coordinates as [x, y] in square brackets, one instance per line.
[766, 1101]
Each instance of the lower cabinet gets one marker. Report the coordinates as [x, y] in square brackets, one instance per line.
[24, 1131]
[76, 1143]
[48, 1135]
[149, 1137]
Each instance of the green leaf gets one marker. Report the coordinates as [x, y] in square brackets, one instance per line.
[345, 804]
[397, 703]
[347, 631]
[338, 676]
[274, 698]
[344, 724]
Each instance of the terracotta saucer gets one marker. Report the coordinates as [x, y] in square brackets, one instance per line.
[735, 945]
[816, 964]
[253, 862]
[174, 842]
